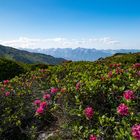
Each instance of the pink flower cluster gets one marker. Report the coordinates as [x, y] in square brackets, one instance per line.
[110, 74]
[41, 106]
[119, 71]
[2, 88]
[78, 86]
[137, 65]
[6, 82]
[115, 65]
[7, 93]
[135, 130]
[37, 102]
[122, 109]
[47, 96]
[40, 110]
[42, 70]
[92, 137]
[128, 95]
[54, 90]
[89, 112]
[138, 73]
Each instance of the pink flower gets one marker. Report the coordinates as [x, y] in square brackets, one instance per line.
[6, 82]
[2, 89]
[110, 74]
[7, 93]
[47, 96]
[78, 86]
[89, 112]
[92, 137]
[137, 65]
[118, 65]
[37, 102]
[128, 95]
[122, 109]
[54, 90]
[42, 70]
[115, 65]
[111, 65]
[135, 130]
[40, 110]
[43, 104]
[138, 73]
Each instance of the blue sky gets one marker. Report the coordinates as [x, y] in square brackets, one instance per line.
[99, 24]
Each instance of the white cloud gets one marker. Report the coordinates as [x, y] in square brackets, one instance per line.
[24, 42]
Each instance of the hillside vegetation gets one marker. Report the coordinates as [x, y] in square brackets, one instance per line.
[10, 68]
[74, 101]
[28, 57]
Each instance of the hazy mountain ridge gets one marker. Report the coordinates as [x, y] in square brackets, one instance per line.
[81, 53]
[28, 57]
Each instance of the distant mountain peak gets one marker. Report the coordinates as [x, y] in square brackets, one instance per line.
[77, 54]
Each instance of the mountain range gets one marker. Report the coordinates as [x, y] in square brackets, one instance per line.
[80, 54]
[28, 57]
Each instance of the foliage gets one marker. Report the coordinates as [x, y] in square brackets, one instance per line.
[39, 66]
[79, 100]
[10, 69]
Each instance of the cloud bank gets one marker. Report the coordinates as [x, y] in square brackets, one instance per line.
[58, 42]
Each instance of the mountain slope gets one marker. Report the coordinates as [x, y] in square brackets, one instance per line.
[28, 57]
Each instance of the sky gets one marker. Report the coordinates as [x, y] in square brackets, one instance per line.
[100, 24]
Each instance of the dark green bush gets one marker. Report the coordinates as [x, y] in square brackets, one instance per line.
[10, 69]
[39, 66]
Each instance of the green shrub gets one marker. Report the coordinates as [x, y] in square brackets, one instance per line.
[39, 66]
[10, 69]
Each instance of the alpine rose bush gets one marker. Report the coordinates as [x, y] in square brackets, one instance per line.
[89, 112]
[76, 97]
[122, 109]
[136, 131]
